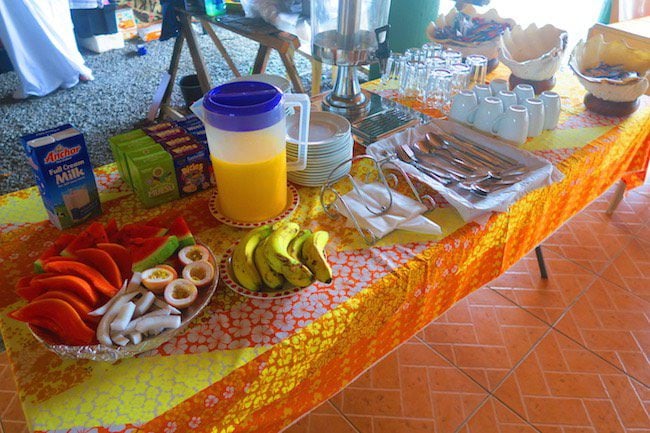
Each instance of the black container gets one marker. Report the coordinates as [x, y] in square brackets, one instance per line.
[190, 88]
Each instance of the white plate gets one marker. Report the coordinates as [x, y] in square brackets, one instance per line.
[324, 127]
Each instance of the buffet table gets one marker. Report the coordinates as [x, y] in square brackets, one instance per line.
[257, 365]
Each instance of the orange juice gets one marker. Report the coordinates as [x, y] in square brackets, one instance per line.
[252, 191]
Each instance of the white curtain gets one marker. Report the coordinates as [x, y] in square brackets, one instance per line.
[39, 38]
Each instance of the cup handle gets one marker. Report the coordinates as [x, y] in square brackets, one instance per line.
[495, 124]
[300, 100]
[472, 115]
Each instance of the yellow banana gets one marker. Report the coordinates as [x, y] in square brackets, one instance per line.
[314, 256]
[243, 264]
[295, 246]
[273, 280]
[279, 260]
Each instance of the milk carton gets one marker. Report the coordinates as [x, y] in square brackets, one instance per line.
[64, 175]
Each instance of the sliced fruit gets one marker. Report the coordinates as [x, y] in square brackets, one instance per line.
[59, 244]
[102, 262]
[75, 302]
[57, 317]
[157, 278]
[181, 230]
[180, 293]
[157, 221]
[65, 283]
[147, 253]
[92, 276]
[90, 237]
[169, 268]
[193, 253]
[243, 262]
[313, 255]
[133, 231]
[111, 228]
[122, 257]
[201, 273]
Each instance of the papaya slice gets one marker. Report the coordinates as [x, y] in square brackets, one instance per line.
[66, 283]
[59, 244]
[75, 302]
[93, 234]
[92, 276]
[58, 259]
[25, 290]
[103, 262]
[121, 256]
[58, 317]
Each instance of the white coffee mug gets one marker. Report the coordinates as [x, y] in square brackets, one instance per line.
[535, 108]
[508, 98]
[512, 125]
[552, 107]
[523, 92]
[462, 105]
[482, 91]
[498, 85]
[483, 116]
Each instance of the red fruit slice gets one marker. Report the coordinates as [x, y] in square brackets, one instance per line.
[58, 317]
[93, 234]
[157, 221]
[66, 283]
[132, 231]
[111, 228]
[102, 262]
[147, 253]
[59, 244]
[92, 276]
[181, 230]
[121, 256]
[75, 302]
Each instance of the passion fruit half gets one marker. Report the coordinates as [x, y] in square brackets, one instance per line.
[200, 273]
[157, 278]
[193, 253]
[180, 293]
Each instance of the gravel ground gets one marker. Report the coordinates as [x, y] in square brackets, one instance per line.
[118, 98]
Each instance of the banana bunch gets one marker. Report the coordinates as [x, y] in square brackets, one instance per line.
[268, 257]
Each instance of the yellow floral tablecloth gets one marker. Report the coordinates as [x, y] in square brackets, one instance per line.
[256, 365]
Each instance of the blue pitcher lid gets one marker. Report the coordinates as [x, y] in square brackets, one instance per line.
[243, 106]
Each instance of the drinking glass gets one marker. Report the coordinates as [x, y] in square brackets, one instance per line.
[394, 66]
[431, 49]
[460, 79]
[410, 81]
[452, 57]
[413, 54]
[478, 68]
[438, 91]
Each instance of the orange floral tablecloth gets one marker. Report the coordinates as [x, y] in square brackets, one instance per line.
[257, 365]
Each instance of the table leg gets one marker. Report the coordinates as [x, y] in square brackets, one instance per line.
[540, 262]
[197, 57]
[316, 74]
[217, 42]
[287, 59]
[618, 196]
[261, 59]
[173, 69]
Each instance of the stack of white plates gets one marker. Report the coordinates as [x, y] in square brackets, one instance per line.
[330, 144]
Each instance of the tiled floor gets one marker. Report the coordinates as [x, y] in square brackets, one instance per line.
[566, 355]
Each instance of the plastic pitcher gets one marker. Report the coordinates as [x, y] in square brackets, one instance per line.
[246, 130]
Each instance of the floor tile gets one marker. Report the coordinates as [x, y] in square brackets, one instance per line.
[546, 299]
[485, 335]
[562, 387]
[631, 269]
[494, 416]
[433, 396]
[591, 238]
[324, 418]
[613, 323]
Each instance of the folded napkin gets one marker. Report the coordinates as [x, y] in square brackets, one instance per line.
[405, 213]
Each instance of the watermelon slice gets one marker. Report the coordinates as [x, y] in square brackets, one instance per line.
[157, 221]
[131, 231]
[90, 237]
[59, 244]
[147, 253]
[181, 230]
[111, 228]
[121, 256]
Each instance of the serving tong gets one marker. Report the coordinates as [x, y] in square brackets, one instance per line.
[452, 162]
